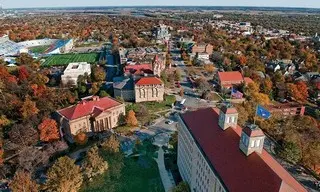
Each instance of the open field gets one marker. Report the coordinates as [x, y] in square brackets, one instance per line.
[65, 59]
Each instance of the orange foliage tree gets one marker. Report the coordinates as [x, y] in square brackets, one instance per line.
[81, 138]
[298, 91]
[28, 108]
[131, 118]
[48, 130]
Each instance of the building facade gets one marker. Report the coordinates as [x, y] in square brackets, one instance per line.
[91, 115]
[73, 71]
[216, 155]
[202, 48]
[148, 89]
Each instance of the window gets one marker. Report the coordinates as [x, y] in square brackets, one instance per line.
[233, 119]
[227, 119]
[257, 143]
[252, 144]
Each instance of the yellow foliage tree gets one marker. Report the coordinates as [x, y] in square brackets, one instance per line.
[131, 118]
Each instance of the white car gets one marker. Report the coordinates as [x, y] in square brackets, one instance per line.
[169, 122]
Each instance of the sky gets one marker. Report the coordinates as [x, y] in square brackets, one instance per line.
[78, 3]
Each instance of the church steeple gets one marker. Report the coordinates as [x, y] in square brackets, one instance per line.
[228, 116]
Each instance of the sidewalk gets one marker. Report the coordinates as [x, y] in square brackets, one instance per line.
[166, 177]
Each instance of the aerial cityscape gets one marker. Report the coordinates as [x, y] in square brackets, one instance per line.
[124, 96]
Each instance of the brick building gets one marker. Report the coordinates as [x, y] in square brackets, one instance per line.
[215, 154]
[202, 48]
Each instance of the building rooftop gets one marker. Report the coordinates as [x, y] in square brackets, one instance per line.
[230, 76]
[139, 69]
[237, 171]
[88, 106]
[149, 81]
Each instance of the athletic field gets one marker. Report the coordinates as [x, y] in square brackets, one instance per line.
[65, 59]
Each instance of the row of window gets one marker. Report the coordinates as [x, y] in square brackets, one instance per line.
[253, 143]
[231, 119]
[142, 93]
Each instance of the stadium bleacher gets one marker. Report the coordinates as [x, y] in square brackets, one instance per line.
[8, 47]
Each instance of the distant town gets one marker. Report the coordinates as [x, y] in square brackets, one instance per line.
[163, 99]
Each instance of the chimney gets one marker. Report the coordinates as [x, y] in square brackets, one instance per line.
[228, 116]
[252, 139]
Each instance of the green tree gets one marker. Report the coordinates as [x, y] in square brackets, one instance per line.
[181, 187]
[98, 74]
[103, 93]
[64, 176]
[94, 165]
[291, 152]
[22, 182]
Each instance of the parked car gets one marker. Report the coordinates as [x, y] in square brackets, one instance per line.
[169, 122]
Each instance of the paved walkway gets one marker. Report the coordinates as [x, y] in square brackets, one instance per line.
[166, 177]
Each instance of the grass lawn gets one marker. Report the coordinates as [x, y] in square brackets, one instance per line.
[39, 49]
[65, 59]
[138, 174]
[156, 106]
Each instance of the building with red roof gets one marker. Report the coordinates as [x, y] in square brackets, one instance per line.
[139, 69]
[215, 154]
[92, 114]
[148, 89]
[229, 78]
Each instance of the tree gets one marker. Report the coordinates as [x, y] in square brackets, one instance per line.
[23, 73]
[181, 92]
[22, 182]
[177, 75]
[98, 74]
[131, 119]
[64, 176]
[28, 108]
[291, 152]
[81, 138]
[294, 92]
[209, 68]
[94, 165]
[303, 89]
[23, 135]
[48, 130]
[25, 59]
[103, 93]
[111, 145]
[94, 89]
[181, 187]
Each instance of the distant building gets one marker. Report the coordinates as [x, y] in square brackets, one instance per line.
[158, 65]
[148, 89]
[228, 79]
[73, 71]
[287, 109]
[142, 89]
[215, 154]
[202, 48]
[91, 115]
[161, 33]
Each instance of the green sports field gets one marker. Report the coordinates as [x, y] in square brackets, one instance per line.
[39, 49]
[65, 59]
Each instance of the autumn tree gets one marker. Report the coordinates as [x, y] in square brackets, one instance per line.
[209, 68]
[98, 74]
[297, 91]
[181, 187]
[177, 75]
[81, 138]
[303, 89]
[23, 73]
[23, 135]
[22, 182]
[111, 145]
[131, 119]
[28, 108]
[291, 152]
[64, 176]
[93, 164]
[48, 130]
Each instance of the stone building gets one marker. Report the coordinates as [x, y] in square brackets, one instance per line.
[92, 114]
[148, 89]
[202, 48]
[217, 155]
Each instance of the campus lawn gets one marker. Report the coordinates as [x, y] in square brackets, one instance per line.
[139, 174]
[65, 59]
[154, 107]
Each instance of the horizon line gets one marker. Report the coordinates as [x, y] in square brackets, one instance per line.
[227, 6]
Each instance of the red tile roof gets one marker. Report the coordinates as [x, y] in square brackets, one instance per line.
[149, 81]
[229, 110]
[139, 69]
[248, 80]
[230, 76]
[253, 133]
[238, 172]
[92, 107]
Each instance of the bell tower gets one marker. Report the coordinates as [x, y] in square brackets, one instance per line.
[228, 116]
[252, 139]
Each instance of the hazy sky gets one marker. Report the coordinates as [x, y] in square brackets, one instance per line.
[64, 3]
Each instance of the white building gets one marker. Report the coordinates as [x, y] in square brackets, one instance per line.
[73, 71]
[217, 155]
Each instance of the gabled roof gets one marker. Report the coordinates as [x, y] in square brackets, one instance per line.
[237, 172]
[230, 76]
[92, 107]
[149, 81]
[139, 69]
